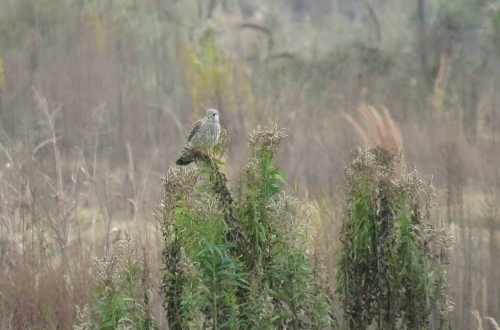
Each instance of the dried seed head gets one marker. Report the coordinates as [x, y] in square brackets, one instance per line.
[177, 182]
[106, 275]
[206, 206]
[267, 305]
[84, 318]
[187, 267]
[221, 148]
[265, 139]
[290, 218]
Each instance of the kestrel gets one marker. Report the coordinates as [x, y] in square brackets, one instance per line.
[204, 135]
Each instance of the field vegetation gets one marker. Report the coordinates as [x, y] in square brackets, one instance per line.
[96, 102]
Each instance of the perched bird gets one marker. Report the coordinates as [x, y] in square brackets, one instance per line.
[204, 135]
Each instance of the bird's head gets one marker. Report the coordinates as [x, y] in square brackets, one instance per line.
[212, 116]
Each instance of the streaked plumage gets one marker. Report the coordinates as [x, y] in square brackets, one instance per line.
[204, 134]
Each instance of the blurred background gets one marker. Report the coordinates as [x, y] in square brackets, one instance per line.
[97, 98]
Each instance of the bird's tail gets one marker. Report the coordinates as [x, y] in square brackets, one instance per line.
[185, 159]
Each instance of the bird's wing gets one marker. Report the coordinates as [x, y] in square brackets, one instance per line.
[196, 126]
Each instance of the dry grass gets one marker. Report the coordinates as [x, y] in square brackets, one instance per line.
[75, 174]
[494, 323]
[56, 217]
[477, 316]
[377, 129]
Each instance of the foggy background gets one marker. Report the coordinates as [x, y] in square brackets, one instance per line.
[97, 99]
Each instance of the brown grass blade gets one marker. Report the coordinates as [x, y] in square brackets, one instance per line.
[357, 128]
[494, 323]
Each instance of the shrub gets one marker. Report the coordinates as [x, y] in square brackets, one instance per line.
[239, 262]
[392, 261]
[123, 299]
